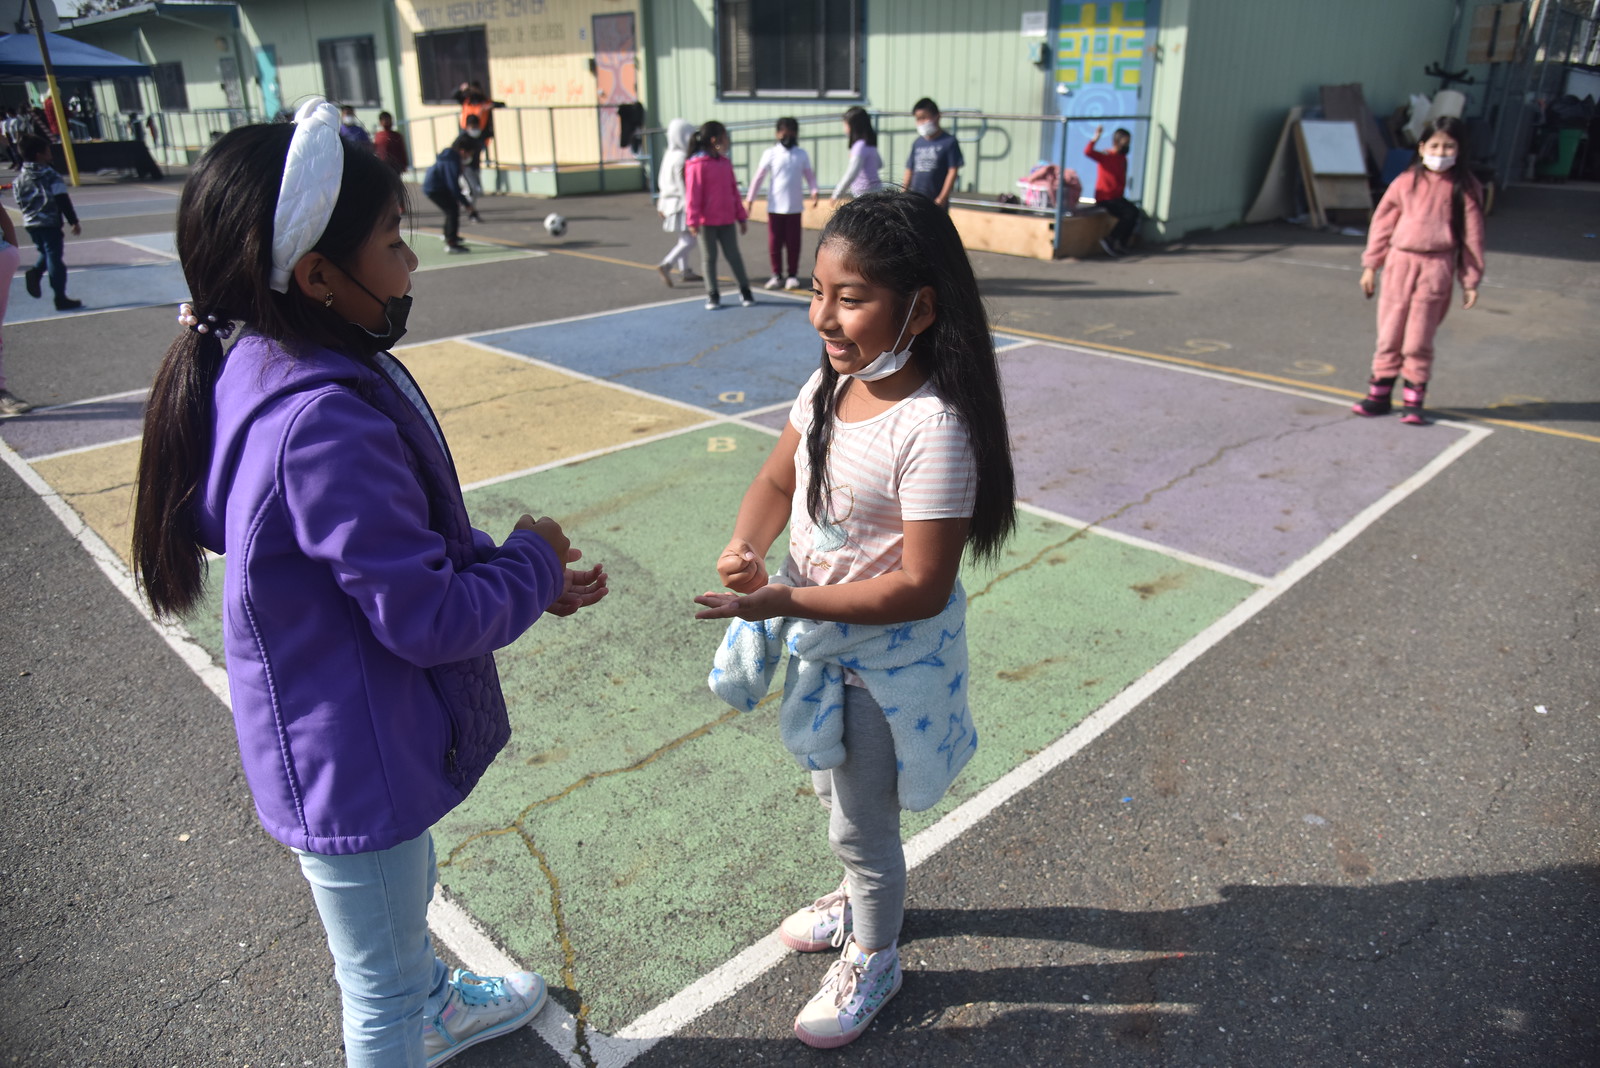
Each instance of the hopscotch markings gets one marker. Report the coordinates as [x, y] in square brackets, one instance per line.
[699, 997]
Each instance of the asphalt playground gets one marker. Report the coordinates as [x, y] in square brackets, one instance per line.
[1286, 715]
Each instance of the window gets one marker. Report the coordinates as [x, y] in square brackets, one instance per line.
[349, 71]
[780, 48]
[447, 58]
[127, 90]
[171, 91]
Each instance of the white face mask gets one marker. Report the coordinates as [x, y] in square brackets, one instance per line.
[927, 129]
[889, 362]
[1438, 163]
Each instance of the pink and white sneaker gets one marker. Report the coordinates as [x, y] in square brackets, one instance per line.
[821, 925]
[856, 987]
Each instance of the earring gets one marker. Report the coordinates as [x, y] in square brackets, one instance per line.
[327, 302]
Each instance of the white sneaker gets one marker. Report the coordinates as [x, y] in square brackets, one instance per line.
[713, 305]
[11, 404]
[792, 283]
[479, 1009]
[773, 283]
[856, 987]
[821, 924]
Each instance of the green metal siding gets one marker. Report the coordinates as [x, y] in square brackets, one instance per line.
[1229, 70]
[295, 27]
[962, 54]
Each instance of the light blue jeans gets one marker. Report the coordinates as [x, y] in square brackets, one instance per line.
[374, 907]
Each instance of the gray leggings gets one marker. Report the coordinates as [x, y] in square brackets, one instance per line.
[862, 797]
[728, 237]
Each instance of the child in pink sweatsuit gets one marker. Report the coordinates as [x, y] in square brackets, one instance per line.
[712, 206]
[1428, 227]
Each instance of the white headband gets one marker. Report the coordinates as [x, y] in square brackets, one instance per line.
[311, 176]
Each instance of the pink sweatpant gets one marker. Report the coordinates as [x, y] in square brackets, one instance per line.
[10, 259]
[1412, 301]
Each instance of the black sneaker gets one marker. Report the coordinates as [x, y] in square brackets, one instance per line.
[1110, 250]
[31, 278]
[68, 304]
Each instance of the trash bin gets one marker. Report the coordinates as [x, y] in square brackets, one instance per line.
[1560, 168]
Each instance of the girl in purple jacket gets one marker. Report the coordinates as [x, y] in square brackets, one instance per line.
[360, 608]
[712, 206]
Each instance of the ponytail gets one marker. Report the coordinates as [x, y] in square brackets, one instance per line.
[224, 241]
[168, 559]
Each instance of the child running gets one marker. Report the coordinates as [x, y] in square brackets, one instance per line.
[1428, 228]
[711, 203]
[360, 609]
[894, 461]
[670, 204]
[788, 163]
[42, 198]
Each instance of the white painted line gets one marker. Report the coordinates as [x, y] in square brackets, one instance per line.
[512, 253]
[1150, 546]
[1200, 372]
[82, 448]
[126, 394]
[175, 635]
[585, 377]
[132, 241]
[607, 450]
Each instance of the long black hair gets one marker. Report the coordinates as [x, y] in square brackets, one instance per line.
[902, 242]
[1462, 183]
[225, 245]
[860, 124]
[701, 140]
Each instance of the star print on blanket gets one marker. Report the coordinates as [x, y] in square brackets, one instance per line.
[916, 671]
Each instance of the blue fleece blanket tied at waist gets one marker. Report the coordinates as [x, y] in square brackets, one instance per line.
[916, 671]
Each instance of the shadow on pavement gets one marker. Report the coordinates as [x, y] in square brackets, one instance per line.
[1466, 970]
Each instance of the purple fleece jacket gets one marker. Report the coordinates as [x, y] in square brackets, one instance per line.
[360, 608]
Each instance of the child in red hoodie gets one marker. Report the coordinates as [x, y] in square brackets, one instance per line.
[1109, 184]
[712, 204]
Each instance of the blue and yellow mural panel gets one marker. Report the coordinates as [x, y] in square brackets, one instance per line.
[1100, 44]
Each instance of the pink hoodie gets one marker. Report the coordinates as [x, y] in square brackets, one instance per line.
[711, 192]
[1414, 216]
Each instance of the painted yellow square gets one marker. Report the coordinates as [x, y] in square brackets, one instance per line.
[98, 484]
[502, 415]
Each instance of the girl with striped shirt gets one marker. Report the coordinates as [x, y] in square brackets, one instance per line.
[895, 461]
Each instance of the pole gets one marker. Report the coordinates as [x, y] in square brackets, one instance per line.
[55, 93]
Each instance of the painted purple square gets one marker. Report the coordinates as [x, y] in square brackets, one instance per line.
[1243, 475]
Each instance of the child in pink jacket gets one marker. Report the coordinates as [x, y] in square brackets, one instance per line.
[1428, 227]
[712, 204]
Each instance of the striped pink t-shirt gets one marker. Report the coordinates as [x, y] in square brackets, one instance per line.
[912, 462]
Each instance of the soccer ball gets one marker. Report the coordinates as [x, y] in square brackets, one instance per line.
[555, 225]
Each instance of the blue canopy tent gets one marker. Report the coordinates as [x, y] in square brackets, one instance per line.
[20, 62]
[73, 59]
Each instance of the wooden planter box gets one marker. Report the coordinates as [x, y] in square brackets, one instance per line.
[995, 231]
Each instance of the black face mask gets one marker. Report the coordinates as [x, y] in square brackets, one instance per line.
[364, 342]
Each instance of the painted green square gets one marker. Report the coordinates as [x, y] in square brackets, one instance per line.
[633, 809]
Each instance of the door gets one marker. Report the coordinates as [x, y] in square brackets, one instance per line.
[616, 72]
[267, 77]
[1103, 72]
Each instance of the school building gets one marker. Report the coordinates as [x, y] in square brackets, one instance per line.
[1203, 85]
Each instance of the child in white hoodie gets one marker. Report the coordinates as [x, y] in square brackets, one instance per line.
[670, 202]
